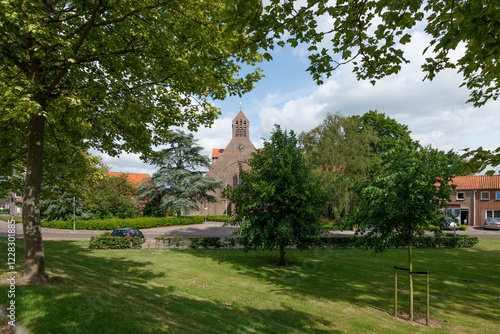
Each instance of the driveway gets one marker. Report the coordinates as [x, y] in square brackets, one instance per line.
[208, 229]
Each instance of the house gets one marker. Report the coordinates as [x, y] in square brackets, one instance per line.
[13, 203]
[225, 164]
[475, 198]
[136, 179]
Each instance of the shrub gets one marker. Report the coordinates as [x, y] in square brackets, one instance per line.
[104, 241]
[169, 241]
[205, 242]
[463, 227]
[219, 218]
[111, 224]
[437, 231]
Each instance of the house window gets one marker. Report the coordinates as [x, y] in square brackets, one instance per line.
[492, 213]
[497, 195]
[485, 195]
[460, 196]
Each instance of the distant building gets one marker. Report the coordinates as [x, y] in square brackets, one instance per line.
[475, 198]
[13, 203]
[135, 179]
[225, 164]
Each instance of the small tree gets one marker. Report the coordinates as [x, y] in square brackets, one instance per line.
[279, 203]
[179, 184]
[404, 198]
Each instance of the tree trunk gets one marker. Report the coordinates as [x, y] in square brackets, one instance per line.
[410, 265]
[34, 266]
[282, 255]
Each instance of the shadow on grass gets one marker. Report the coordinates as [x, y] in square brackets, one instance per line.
[112, 293]
[462, 280]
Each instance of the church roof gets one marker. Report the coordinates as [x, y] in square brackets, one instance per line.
[241, 114]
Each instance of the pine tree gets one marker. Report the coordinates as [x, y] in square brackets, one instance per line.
[179, 184]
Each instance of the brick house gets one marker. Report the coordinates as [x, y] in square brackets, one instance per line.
[225, 164]
[14, 203]
[475, 198]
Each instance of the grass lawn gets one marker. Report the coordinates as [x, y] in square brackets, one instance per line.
[230, 291]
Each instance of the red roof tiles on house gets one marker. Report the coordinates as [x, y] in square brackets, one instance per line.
[216, 152]
[477, 182]
[134, 178]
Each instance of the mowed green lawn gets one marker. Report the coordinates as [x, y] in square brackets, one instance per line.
[230, 291]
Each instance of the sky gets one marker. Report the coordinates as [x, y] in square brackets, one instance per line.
[435, 111]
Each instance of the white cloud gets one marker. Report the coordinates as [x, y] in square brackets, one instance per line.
[435, 111]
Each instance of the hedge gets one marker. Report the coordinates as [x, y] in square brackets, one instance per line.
[219, 218]
[447, 241]
[111, 224]
[104, 241]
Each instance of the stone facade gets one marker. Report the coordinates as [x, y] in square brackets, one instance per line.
[225, 164]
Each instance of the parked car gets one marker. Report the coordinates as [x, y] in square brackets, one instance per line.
[126, 232]
[449, 224]
[492, 223]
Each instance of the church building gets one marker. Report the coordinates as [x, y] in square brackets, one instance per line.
[225, 165]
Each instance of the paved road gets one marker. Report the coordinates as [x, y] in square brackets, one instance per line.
[208, 229]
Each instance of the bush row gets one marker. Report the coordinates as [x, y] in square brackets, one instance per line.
[111, 224]
[104, 241]
[218, 218]
[447, 241]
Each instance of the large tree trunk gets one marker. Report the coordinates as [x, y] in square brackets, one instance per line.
[34, 266]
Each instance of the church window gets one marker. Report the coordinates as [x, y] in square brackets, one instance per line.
[235, 180]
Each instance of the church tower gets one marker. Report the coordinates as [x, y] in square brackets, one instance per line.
[225, 165]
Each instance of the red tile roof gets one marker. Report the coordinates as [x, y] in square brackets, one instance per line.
[134, 178]
[477, 182]
[216, 152]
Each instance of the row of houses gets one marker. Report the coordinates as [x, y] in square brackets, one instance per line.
[475, 198]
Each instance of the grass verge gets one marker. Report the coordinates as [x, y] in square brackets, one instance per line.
[227, 291]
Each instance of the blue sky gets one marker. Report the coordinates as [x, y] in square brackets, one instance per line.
[435, 112]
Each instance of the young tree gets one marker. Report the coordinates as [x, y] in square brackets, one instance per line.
[279, 203]
[340, 149]
[179, 184]
[404, 198]
[113, 76]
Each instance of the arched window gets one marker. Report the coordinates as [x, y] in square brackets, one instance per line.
[244, 128]
[237, 130]
[235, 180]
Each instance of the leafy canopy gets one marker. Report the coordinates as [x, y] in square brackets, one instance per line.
[279, 203]
[370, 35]
[405, 196]
[340, 151]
